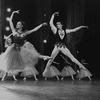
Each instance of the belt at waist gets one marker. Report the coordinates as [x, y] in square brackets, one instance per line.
[60, 44]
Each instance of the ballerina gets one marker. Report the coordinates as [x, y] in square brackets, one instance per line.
[67, 70]
[12, 61]
[83, 72]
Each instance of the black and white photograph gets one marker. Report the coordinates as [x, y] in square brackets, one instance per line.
[49, 50]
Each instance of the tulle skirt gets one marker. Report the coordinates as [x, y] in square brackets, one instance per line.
[2, 73]
[67, 71]
[11, 60]
[30, 57]
[83, 73]
[29, 54]
[16, 58]
[51, 72]
[29, 70]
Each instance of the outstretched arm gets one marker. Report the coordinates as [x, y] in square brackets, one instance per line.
[55, 62]
[35, 29]
[6, 37]
[10, 21]
[53, 28]
[66, 61]
[75, 29]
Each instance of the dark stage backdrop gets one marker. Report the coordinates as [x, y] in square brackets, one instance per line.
[83, 44]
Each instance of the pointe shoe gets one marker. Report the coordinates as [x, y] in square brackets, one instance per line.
[62, 78]
[24, 78]
[45, 79]
[36, 79]
[57, 78]
[73, 79]
[15, 79]
[2, 79]
[79, 79]
[89, 78]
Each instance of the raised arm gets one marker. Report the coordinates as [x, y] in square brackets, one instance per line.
[84, 62]
[75, 29]
[10, 21]
[53, 28]
[35, 29]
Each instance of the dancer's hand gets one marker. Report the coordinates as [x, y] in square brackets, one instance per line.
[85, 27]
[17, 11]
[44, 24]
[56, 13]
[5, 37]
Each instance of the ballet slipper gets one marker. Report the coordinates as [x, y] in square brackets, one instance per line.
[24, 78]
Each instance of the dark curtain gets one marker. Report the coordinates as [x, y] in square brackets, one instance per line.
[1, 24]
[75, 18]
[43, 15]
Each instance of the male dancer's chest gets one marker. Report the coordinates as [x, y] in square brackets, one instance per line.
[61, 34]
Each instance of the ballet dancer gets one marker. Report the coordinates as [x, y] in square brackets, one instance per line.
[12, 61]
[83, 73]
[60, 46]
[67, 70]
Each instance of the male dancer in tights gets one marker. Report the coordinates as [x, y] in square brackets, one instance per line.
[60, 46]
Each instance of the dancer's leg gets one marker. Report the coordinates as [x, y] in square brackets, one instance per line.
[3, 77]
[89, 78]
[79, 79]
[35, 76]
[72, 77]
[62, 78]
[68, 53]
[57, 77]
[45, 78]
[14, 77]
[53, 55]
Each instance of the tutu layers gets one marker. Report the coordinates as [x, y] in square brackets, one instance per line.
[29, 71]
[67, 71]
[51, 72]
[83, 73]
[30, 57]
[11, 60]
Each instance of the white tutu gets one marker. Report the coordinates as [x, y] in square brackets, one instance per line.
[67, 71]
[30, 57]
[51, 72]
[83, 73]
[29, 54]
[11, 59]
[29, 70]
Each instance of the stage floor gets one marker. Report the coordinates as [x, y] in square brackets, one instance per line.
[50, 90]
